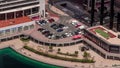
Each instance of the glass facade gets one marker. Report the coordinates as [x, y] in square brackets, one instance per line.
[10, 15]
[27, 12]
[2, 16]
[26, 27]
[31, 26]
[20, 29]
[7, 31]
[19, 14]
[1, 33]
[35, 10]
[15, 30]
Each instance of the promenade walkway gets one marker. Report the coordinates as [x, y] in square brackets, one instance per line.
[17, 45]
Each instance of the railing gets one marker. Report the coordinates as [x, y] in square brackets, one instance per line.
[40, 41]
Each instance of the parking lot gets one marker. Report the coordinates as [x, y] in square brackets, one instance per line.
[63, 28]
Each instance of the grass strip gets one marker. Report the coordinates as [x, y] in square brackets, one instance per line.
[102, 33]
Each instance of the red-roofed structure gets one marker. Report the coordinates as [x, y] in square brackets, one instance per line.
[4, 23]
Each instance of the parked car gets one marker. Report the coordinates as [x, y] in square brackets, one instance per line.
[42, 22]
[45, 32]
[51, 20]
[77, 25]
[41, 29]
[74, 23]
[57, 37]
[65, 27]
[63, 35]
[61, 25]
[76, 37]
[81, 27]
[54, 26]
[50, 36]
[68, 34]
[59, 30]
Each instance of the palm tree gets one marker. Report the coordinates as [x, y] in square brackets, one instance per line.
[86, 55]
[51, 2]
[111, 14]
[92, 12]
[76, 53]
[101, 12]
[59, 50]
[118, 21]
[50, 48]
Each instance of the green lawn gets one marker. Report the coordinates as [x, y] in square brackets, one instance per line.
[102, 33]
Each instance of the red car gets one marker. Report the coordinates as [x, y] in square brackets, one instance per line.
[77, 25]
[76, 37]
[51, 20]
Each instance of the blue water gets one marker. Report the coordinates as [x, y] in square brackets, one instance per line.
[11, 59]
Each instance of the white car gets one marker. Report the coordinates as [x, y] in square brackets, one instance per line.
[66, 27]
[68, 34]
[74, 22]
[38, 22]
[81, 27]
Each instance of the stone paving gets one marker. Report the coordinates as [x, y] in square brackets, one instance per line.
[100, 62]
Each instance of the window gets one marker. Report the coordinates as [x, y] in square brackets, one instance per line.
[2, 16]
[35, 10]
[10, 15]
[26, 28]
[31, 26]
[7, 31]
[20, 29]
[85, 2]
[19, 14]
[27, 12]
[114, 49]
[13, 30]
[1, 33]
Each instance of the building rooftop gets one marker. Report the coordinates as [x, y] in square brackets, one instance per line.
[105, 34]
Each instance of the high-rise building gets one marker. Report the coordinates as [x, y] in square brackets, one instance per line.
[87, 4]
[17, 16]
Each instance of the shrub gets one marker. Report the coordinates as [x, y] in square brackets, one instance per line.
[50, 48]
[58, 57]
[76, 52]
[59, 49]
[25, 39]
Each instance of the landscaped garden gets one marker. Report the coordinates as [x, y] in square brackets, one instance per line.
[59, 57]
[102, 33]
[25, 39]
[69, 54]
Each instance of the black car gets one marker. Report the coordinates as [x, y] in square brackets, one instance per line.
[59, 30]
[76, 33]
[61, 25]
[45, 32]
[54, 26]
[42, 22]
[57, 37]
[49, 34]
[63, 35]
[41, 29]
